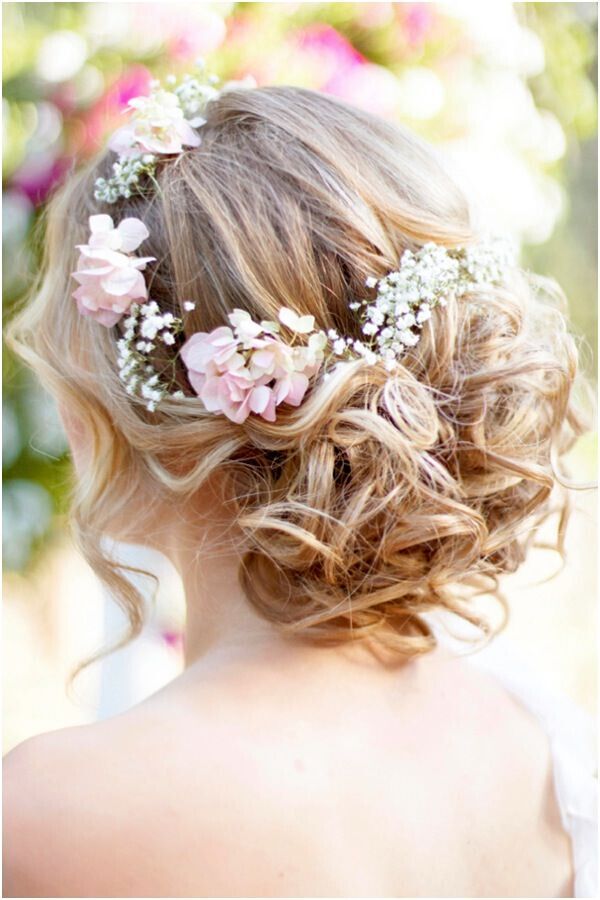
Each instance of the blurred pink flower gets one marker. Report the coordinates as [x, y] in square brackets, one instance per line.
[134, 81]
[309, 56]
[64, 97]
[340, 69]
[39, 174]
[325, 41]
[104, 114]
[326, 52]
[418, 19]
[173, 639]
[187, 30]
[197, 37]
[368, 86]
[110, 279]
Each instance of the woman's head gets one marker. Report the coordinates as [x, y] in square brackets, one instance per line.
[383, 495]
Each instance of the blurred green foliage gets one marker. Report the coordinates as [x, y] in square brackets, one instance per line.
[516, 82]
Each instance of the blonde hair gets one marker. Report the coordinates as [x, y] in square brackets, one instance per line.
[374, 500]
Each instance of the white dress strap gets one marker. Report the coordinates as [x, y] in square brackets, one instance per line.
[571, 735]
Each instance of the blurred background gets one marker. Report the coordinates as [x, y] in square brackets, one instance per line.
[507, 93]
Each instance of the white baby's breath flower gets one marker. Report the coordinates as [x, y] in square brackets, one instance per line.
[425, 278]
[406, 321]
[409, 338]
[148, 329]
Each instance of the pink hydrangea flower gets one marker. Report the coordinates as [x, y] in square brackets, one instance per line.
[110, 278]
[250, 369]
[157, 125]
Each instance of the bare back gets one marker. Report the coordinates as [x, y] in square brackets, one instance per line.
[294, 779]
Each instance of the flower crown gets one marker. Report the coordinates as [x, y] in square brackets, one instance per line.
[245, 367]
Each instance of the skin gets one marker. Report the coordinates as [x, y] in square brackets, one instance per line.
[272, 768]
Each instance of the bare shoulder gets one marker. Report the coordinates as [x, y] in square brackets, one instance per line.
[53, 786]
[511, 780]
[85, 807]
[155, 802]
[161, 800]
[493, 726]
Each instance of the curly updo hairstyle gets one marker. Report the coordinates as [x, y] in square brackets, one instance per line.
[381, 497]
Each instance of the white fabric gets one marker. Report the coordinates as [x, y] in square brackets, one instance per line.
[571, 734]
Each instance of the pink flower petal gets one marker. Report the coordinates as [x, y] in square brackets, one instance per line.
[140, 262]
[190, 347]
[234, 388]
[198, 351]
[197, 381]
[100, 224]
[123, 141]
[104, 254]
[124, 281]
[292, 389]
[259, 398]
[269, 412]
[299, 324]
[167, 146]
[238, 414]
[85, 300]
[210, 394]
[86, 275]
[228, 358]
[104, 317]
[189, 137]
[221, 336]
[264, 359]
[107, 317]
[132, 232]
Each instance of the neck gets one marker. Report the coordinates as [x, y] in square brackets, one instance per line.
[220, 620]
[221, 624]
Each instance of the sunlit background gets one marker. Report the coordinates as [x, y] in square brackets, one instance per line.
[507, 94]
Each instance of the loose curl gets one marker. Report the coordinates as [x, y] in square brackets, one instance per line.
[381, 497]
